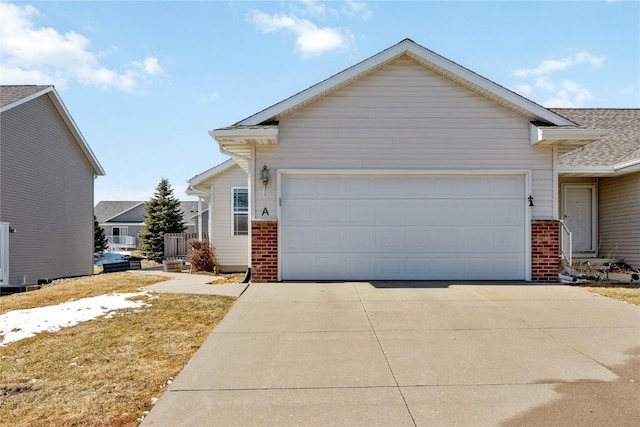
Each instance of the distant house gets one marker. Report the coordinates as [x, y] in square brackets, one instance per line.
[224, 187]
[599, 189]
[409, 166]
[123, 221]
[47, 172]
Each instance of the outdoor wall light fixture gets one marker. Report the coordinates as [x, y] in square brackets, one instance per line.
[264, 175]
[12, 230]
[530, 199]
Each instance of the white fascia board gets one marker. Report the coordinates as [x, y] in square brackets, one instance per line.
[195, 191]
[586, 170]
[425, 55]
[259, 135]
[629, 166]
[211, 172]
[543, 135]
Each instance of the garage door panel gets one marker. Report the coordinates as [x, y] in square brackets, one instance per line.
[358, 212]
[356, 227]
[355, 239]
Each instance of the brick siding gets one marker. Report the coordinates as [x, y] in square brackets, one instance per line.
[264, 251]
[545, 251]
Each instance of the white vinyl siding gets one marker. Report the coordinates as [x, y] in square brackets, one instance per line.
[404, 116]
[46, 190]
[231, 250]
[619, 218]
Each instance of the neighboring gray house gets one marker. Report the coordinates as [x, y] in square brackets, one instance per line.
[47, 172]
[123, 221]
[224, 187]
[410, 166]
[599, 186]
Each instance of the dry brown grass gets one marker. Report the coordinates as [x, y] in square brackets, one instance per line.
[103, 372]
[76, 289]
[225, 279]
[627, 292]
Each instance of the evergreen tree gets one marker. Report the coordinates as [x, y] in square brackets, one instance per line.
[163, 216]
[100, 242]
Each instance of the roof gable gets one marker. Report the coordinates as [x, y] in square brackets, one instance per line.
[13, 96]
[110, 209]
[423, 56]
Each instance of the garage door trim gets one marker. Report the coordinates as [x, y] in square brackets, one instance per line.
[468, 172]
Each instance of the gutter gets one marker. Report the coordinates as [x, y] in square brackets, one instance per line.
[627, 164]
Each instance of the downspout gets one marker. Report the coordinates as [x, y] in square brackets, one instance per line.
[200, 218]
[250, 162]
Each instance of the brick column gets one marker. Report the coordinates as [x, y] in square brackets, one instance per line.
[264, 251]
[545, 251]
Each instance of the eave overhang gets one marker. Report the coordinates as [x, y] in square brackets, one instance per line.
[239, 141]
[246, 135]
[564, 135]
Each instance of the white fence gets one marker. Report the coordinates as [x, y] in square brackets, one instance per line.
[176, 245]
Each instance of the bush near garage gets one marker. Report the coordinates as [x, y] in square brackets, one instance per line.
[202, 257]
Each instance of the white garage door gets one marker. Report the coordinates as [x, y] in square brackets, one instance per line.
[394, 227]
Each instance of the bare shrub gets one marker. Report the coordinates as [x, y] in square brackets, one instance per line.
[202, 257]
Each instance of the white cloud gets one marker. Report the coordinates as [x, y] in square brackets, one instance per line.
[310, 40]
[208, 97]
[524, 89]
[357, 8]
[570, 95]
[312, 8]
[551, 65]
[559, 91]
[151, 66]
[42, 55]
[545, 83]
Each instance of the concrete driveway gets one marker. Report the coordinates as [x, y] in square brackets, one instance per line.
[408, 353]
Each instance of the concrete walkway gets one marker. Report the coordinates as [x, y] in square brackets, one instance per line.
[431, 354]
[185, 283]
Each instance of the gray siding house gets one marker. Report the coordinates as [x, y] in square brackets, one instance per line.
[123, 221]
[47, 171]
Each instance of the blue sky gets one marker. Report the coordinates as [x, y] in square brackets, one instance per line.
[145, 81]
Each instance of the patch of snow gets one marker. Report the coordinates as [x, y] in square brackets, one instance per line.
[20, 324]
[109, 257]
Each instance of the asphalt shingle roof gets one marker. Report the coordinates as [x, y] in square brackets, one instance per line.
[109, 208]
[13, 93]
[620, 145]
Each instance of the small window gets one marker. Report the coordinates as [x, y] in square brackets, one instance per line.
[240, 212]
[119, 235]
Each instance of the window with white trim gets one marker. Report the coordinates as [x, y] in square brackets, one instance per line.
[240, 212]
